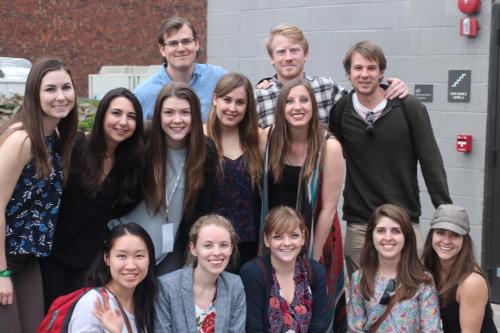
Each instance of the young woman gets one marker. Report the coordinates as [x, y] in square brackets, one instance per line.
[285, 292]
[35, 149]
[105, 173]
[125, 270]
[232, 125]
[304, 169]
[462, 286]
[202, 297]
[392, 292]
[179, 176]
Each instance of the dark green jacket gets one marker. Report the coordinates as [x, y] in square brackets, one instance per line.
[383, 168]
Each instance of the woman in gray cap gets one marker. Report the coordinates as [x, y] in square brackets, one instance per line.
[462, 286]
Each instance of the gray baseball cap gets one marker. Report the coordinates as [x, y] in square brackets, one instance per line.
[451, 217]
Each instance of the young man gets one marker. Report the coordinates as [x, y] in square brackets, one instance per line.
[179, 46]
[383, 142]
[288, 50]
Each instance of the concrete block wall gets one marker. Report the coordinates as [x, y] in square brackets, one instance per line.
[421, 41]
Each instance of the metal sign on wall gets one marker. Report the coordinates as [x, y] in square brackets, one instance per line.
[459, 86]
[424, 92]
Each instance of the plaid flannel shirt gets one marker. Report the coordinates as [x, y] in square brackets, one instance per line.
[326, 91]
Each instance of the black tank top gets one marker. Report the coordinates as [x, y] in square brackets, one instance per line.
[451, 320]
[284, 193]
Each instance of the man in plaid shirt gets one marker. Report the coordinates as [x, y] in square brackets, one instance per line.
[288, 49]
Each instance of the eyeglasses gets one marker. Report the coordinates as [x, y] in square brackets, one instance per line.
[370, 119]
[389, 291]
[176, 42]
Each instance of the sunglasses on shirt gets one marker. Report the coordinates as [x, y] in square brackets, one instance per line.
[389, 291]
[370, 119]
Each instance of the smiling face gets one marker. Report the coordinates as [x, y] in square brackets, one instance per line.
[128, 262]
[182, 56]
[176, 121]
[285, 246]
[213, 249]
[119, 121]
[288, 58]
[364, 74]
[388, 239]
[57, 95]
[447, 245]
[298, 109]
[232, 107]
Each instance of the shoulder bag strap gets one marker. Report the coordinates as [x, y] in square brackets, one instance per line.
[124, 314]
[388, 309]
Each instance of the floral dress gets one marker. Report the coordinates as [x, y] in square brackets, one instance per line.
[205, 319]
[237, 200]
[417, 314]
[296, 316]
[32, 211]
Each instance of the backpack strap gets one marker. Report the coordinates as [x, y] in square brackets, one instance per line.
[336, 114]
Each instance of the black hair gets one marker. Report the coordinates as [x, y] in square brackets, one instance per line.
[128, 155]
[144, 294]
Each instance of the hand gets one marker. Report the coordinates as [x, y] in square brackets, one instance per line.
[397, 88]
[264, 84]
[6, 291]
[317, 254]
[110, 319]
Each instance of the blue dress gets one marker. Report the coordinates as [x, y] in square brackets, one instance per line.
[31, 213]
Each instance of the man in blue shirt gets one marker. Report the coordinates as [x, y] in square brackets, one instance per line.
[179, 46]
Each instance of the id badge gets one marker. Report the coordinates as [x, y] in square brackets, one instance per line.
[167, 230]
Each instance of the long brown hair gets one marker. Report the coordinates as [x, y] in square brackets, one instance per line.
[411, 272]
[464, 265]
[278, 144]
[247, 129]
[30, 117]
[155, 177]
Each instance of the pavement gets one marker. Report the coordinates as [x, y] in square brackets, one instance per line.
[496, 314]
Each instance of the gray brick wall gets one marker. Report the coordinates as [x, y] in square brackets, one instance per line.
[421, 41]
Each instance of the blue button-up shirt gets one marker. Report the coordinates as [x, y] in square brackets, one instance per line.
[205, 77]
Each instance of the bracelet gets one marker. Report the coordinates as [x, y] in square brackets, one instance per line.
[5, 273]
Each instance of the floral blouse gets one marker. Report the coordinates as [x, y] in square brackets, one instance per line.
[296, 316]
[32, 211]
[417, 314]
[205, 319]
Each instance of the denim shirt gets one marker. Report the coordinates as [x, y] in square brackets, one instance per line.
[205, 77]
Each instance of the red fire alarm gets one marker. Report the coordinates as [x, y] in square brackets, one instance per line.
[464, 143]
[469, 6]
[468, 27]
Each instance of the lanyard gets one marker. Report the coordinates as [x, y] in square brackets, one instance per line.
[174, 188]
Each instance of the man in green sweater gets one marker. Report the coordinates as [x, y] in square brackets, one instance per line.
[383, 142]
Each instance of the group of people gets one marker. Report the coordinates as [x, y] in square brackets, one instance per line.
[246, 183]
